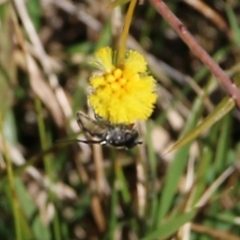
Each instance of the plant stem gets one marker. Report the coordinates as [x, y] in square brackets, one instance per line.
[13, 194]
[47, 165]
[182, 31]
[124, 35]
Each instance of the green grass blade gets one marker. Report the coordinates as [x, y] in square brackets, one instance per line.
[29, 209]
[12, 187]
[170, 227]
[223, 144]
[176, 168]
[226, 105]
[124, 185]
[234, 25]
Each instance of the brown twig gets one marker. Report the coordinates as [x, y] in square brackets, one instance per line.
[210, 14]
[182, 31]
[216, 234]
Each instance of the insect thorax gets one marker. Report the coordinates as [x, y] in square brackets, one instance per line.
[121, 136]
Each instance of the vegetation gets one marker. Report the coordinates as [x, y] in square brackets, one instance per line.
[165, 188]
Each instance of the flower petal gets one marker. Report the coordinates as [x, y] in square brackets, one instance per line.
[135, 61]
[97, 81]
[122, 94]
[104, 59]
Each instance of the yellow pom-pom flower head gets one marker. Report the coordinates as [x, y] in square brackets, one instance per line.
[122, 93]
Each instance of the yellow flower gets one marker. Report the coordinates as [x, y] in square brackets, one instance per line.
[124, 93]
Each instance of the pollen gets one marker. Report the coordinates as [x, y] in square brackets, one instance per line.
[115, 87]
[122, 81]
[122, 94]
[117, 73]
[110, 78]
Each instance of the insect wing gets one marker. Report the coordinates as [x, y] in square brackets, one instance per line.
[94, 128]
[115, 135]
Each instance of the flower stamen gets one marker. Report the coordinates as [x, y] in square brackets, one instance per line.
[117, 73]
[122, 81]
[124, 94]
[110, 78]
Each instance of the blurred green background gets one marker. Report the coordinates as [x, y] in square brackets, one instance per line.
[59, 191]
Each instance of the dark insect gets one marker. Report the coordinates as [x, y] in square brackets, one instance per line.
[118, 135]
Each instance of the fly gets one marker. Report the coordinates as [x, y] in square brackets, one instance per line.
[117, 135]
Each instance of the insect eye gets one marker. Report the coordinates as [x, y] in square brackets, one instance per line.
[130, 135]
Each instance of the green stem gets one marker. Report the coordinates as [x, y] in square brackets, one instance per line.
[47, 165]
[43, 136]
[15, 202]
[123, 40]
